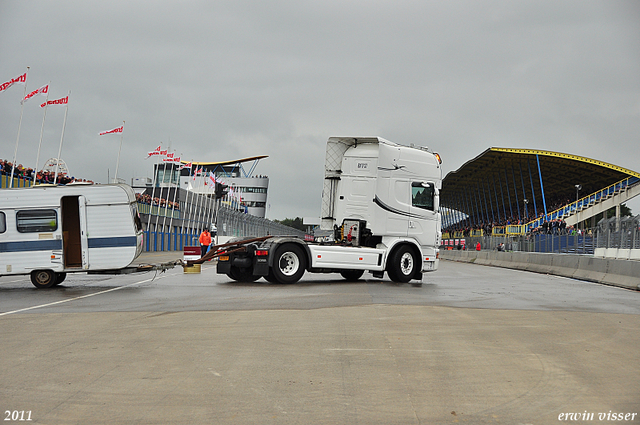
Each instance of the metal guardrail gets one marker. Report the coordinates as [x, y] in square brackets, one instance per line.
[623, 233]
[229, 222]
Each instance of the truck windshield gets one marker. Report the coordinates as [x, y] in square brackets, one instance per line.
[422, 197]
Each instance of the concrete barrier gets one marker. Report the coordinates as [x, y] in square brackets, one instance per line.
[608, 271]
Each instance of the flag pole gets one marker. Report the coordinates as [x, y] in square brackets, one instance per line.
[164, 219]
[153, 191]
[46, 105]
[115, 178]
[64, 123]
[198, 211]
[15, 152]
[174, 198]
[164, 173]
[189, 214]
[186, 203]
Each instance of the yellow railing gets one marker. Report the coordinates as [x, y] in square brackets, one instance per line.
[155, 210]
[17, 182]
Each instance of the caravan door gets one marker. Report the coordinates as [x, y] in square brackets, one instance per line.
[74, 232]
[84, 243]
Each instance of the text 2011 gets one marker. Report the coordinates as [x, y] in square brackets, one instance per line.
[17, 415]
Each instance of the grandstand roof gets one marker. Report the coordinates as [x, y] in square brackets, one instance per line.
[231, 162]
[507, 174]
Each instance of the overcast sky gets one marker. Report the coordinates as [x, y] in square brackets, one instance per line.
[221, 80]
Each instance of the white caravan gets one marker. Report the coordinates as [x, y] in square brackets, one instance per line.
[380, 199]
[48, 231]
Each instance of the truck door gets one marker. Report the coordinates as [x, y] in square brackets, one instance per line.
[424, 213]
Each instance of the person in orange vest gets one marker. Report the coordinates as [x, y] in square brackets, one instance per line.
[478, 246]
[205, 241]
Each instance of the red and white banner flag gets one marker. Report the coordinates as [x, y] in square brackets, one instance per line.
[154, 152]
[42, 90]
[196, 172]
[212, 178]
[168, 157]
[22, 79]
[115, 130]
[61, 101]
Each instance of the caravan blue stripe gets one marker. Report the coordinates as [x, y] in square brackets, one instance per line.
[113, 242]
[56, 244]
[39, 245]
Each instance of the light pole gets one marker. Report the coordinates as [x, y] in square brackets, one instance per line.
[578, 189]
[526, 212]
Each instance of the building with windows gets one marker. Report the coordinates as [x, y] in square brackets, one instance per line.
[247, 192]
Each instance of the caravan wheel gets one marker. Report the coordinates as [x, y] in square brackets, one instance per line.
[60, 277]
[43, 278]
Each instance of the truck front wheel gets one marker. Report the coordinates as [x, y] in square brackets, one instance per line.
[289, 263]
[402, 264]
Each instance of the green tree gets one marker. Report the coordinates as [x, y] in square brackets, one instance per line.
[296, 223]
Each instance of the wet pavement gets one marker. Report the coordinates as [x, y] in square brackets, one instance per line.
[474, 344]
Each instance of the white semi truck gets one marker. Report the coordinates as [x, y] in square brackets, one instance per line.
[380, 202]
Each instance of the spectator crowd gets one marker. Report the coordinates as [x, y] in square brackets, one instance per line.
[553, 227]
[155, 201]
[41, 177]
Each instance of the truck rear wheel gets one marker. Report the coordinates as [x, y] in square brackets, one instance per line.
[402, 264]
[242, 275]
[289, 263]
[43, 278]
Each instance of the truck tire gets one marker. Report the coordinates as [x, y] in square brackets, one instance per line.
[43, 278]
[270, 277]
[242, 275]
[289, 263]
[402, 264]
[352, 275]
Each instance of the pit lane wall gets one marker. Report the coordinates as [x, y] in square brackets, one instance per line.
[608, 271]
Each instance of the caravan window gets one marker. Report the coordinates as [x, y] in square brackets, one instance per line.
[422, 197]
[37, 221]
[3, 223]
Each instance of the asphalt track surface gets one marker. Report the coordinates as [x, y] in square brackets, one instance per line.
[473, 345]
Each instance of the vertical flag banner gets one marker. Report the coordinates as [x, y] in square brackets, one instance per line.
[115, 130]
[154, 152]
[44, 90]
[44, 116]
[22, 79]
[121, 131]
[61, 101]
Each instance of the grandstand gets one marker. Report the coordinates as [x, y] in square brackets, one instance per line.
[515, 191]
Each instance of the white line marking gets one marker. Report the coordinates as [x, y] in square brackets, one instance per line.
[79, 298]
